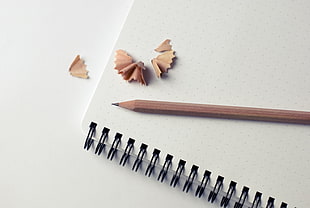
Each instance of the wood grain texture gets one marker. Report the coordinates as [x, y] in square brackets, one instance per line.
[217, 111]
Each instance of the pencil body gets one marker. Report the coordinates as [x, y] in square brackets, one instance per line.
[217, 111]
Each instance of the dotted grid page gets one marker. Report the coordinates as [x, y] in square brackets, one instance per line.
[254, 54]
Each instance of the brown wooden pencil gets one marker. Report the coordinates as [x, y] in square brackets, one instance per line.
[216, 111]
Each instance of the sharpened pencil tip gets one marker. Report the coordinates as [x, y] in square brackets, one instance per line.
[116, 104]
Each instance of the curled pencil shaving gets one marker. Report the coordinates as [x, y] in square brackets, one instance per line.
[164, 46]
[122, 59]
[163, 62]
[78, 68]
[129, 70]
[134, 71]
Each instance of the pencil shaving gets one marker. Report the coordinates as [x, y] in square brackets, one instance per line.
[130, 71]
[122, 59]
[164, 46]
[78, 68]
[134, 71]
[163, 62]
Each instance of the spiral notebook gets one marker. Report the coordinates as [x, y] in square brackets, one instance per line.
[252, 54]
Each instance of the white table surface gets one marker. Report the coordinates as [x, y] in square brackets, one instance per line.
[42, 160]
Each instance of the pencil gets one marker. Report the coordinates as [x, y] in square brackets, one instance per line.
[216, 111]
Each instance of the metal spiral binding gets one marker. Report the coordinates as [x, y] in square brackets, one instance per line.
[202, 186]
[101, 143]
[152, 164]
[140, 157]
[230, 192]
[190, 178]
[283, 205]
[242, 198]
[257, 200]
[213, 194]
[128, 149]
[270, 202]
[178, 176]
[114, 146]
[165, 168]
[89, 139]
